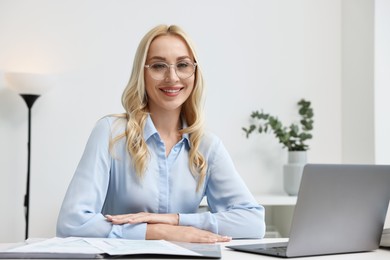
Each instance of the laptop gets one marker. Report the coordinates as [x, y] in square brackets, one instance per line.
[340, 209]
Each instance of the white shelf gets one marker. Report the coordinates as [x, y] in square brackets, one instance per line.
[276, 199]
[273, 199]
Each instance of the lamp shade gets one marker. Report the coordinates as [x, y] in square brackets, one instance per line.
[28, 83]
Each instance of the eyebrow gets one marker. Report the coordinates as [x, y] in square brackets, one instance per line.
[164, 59]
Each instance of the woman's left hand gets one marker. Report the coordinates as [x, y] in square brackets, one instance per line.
[144, 217]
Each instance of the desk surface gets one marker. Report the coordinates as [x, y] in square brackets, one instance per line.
[228, 254]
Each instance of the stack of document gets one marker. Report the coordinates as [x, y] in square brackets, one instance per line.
[77, 247]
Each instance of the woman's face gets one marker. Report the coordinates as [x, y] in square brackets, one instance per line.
[171, 92]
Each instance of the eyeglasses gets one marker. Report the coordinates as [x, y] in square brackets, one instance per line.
[183, 69]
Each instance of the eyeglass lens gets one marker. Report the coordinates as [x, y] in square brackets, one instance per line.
[183, 69]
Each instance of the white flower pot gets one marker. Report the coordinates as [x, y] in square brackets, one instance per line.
[292, 171]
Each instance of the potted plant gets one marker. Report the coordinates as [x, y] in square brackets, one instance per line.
[293, 138]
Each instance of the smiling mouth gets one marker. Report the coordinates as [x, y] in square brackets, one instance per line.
[176, 90]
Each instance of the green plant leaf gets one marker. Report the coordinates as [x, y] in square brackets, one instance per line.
[293, 137]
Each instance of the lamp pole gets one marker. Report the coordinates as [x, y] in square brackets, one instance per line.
[29, 99]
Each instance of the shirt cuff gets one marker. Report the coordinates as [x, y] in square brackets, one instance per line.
[129, 231]
[204, 221]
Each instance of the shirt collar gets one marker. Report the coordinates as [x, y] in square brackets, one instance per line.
[151, 130]
[186, 136]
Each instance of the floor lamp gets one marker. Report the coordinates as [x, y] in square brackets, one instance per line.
[29, 87]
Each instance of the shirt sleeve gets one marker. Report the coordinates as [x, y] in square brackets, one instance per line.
[80, 214]
[233, 210]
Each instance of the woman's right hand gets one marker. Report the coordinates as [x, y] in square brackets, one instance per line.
[182, 234]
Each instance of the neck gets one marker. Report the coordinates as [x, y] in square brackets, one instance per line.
[166, 123]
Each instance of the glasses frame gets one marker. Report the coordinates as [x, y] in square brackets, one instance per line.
[148, 66]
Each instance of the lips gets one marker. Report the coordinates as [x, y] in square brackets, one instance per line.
[171, 91]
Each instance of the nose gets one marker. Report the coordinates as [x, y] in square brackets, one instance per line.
[171, 73]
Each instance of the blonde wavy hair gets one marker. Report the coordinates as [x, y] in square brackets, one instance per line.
[135, 102]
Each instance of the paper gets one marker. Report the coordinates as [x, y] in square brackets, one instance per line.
[76, 247]
[59, 245]
[131, 247]
[71, 247]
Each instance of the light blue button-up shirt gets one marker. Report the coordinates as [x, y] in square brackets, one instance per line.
[105, 183]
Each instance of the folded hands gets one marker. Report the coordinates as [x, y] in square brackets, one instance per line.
[166, 226]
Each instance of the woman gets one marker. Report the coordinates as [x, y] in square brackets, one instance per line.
[143, 174]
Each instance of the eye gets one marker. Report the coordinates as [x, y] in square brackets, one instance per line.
[159, 66]
[182, 65]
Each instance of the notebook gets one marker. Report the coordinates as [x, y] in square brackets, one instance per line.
[340, 209]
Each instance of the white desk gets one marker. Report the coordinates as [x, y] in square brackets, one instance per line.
[228, 254]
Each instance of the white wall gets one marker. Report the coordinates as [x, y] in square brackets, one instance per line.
[358, 140]
[382, 82]
[255, 54]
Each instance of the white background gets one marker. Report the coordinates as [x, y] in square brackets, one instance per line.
[255, 54]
